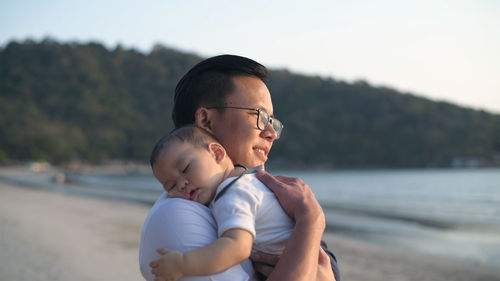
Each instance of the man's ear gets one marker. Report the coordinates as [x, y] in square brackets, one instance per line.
[217, 151]
[203, 119]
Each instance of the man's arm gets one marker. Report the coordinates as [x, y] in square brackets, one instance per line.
[266, 263]
[300, 259]
[233, 247]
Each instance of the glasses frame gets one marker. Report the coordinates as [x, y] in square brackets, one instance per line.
[259, 110]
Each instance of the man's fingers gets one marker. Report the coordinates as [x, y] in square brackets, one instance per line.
[287, 180]
[264, 263]
[266, 178]
[154, 264]
[277, 181]
[271, 182]
[264, 258]
[263, 269]
[161, 251]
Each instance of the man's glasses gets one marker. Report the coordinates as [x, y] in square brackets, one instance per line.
[263, 118]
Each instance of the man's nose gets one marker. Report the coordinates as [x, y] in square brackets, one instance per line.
[270, 133]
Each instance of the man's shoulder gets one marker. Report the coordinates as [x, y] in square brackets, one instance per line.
[178, 206]
[251, 181]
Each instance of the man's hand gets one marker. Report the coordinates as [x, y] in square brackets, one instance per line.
[304, 260]
[264, 263]
[168, 267]
[295, 197]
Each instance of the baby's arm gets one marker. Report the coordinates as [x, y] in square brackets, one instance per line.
[233, 247]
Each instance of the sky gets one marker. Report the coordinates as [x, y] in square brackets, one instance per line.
[442, 50]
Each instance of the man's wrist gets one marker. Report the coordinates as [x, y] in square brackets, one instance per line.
[311, 217]
[309, 225]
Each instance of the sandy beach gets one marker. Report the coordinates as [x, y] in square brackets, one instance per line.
[53, 236]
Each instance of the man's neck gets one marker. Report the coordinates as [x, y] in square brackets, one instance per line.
[233, 171]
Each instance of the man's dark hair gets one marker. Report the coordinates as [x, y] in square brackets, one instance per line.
[196, 136]
[209, 83]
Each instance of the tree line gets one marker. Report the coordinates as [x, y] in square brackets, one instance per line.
[65, 102]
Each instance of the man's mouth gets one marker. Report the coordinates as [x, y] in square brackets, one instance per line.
[262, 152]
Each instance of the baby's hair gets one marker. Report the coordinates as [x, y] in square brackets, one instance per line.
[191, 134]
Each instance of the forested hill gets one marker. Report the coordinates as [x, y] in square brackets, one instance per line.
[82, 102]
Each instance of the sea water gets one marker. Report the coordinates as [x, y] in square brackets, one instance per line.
[449, 212]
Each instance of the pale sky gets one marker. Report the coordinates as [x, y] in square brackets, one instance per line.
[444, 50]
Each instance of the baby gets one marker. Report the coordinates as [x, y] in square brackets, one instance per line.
[191, 164]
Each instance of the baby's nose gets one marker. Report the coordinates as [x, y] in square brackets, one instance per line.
[182, 183]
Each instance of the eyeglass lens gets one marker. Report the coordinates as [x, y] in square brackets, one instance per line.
[264, 122]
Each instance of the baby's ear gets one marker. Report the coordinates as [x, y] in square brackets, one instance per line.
[217, 151]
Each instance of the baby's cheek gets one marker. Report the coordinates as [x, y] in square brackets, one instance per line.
[176, 194]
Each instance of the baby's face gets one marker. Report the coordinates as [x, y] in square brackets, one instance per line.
[188, 172]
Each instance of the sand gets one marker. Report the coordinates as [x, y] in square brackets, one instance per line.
[51, 236]
[363, 261]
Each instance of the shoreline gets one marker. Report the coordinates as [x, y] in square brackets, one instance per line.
[364, 261]
[48, 235]
[132, 166]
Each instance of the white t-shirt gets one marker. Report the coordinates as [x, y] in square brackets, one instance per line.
[183, 225]
[248, 204]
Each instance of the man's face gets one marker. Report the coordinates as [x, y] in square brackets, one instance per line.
[237, 129]
[188, 172]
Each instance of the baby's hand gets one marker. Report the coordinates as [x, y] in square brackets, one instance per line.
[168, 267]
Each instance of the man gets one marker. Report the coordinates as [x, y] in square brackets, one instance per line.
[227, 96]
